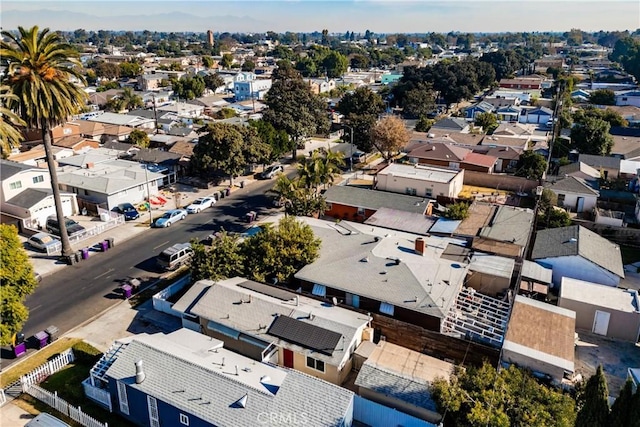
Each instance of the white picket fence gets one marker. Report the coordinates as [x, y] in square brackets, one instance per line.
[62, 406]
[43, 371]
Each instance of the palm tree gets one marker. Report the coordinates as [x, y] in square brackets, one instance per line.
[10, 137]
[40, 68]
[320, 169]
[130, 100]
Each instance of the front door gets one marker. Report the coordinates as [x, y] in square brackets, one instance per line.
[601, 322]
[580, 205]
[288, 358]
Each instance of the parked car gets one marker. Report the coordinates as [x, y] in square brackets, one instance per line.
[272, 171]
[73, 227]
[46, 420]
[128, 211]
[201, 203]
[358, 157]
[175, 256]
[170, 217]
[44, 242]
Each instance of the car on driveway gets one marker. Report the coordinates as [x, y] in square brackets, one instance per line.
[44, 242]
[272, 171]
[170, 217]
[200, 204]
[128, 211]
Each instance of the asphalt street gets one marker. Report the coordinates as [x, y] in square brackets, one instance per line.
[79, 292]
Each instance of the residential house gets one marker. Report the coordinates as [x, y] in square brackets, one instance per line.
[76, 143]
[101, 99]
[182, 110]
[420, 180]
[390, 78]
[274, 325]
[574, 194]
[453, 124]
[110, 182]
[537, 115]
[608, 217]
[37, 156]
[509, 114]
[579, 253]
[626, 142]
[499, 101]
[467, 140]
[543, 64]
[450, 156]
[319, 86]
[628, 97]
[580, 95]
[359, 204]
[628, 112]
[90, 129]
[471, 112]
[400, 378]
[394, 274]
[26, 194]
[540, 337]
[115, 119]
[152, 81]
[185, 378]
[521, 97]
[507, 157]
[254, 89]
[609, 167]
[579, 170]
[603, 310]
[521, 83]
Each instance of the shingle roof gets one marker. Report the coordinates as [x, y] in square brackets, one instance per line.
[509, 224]
[29, 197]
[478, 159]
[439, 151]
[181, 371]
[9, 168]
[600, 161]
[572, 184]
[451, 123]
[577, 240]
[372, 199]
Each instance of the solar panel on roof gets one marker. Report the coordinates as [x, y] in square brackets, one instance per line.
[267, 290]
[310, 336]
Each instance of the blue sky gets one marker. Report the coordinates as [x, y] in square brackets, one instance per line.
[313, 15]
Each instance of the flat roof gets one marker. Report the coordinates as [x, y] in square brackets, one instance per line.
[423, 173]
[492, 264]
[542, 330]
[509, 224]
[604, 296]
[417, 223]
[534, 271]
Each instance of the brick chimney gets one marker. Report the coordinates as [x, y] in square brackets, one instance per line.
[419, 247]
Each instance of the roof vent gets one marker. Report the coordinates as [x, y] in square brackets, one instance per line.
[573, 240]
[265, 379]
[242, 402]
[365, 259]
[140, 376]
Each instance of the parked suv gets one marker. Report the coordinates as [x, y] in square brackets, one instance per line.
[72, 227]
[175, 256]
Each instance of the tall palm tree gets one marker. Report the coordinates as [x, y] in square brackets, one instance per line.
[10, 137]
[130, 100]
[40, 69]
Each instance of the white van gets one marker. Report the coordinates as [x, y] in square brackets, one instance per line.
[175, 256]
[46, 420]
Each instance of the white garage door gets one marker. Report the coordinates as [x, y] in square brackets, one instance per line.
[48, 208]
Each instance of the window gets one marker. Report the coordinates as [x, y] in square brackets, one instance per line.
[184, 420]
[15, 185]
[319, 290]
[410, 191]
[386, 308]
[561, 199]
[316, 364]
[37, 179]
[454, 166]
[428, 192]
[329, 207]
[152, 404]
[122, 398]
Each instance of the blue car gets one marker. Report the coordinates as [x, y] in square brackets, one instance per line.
[128, 211]
[170, 217]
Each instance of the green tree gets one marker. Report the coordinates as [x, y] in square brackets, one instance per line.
[18, 281]
[609, 115]
[622, 409]
[248, 65]
[389, 136]
[130, 99]
[207, 61]
[221, 261]
[227, 60]
[360, 62]
[591, 136]
[279, 252]
[297, 199]
[361, 109]
[531, 165]
[458, 210]
[40, 68]
[108, 70]
[295, 109]
[480, 397]
[602, 97]
[320, 168]
[278, 140]
[213, 81]
[139, 138]
[418, 102]
[594, 410]
[424, 124]
[10, 136]
[130, 69]
[335, 64]
[228, 149]
[486, 121]
[188, 87]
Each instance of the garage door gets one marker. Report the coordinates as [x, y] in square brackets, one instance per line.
[48, 208]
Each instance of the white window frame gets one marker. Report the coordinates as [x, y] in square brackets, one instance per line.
[387, 308]
[152, 405]
[122, 398]
[314, 364]
[184, 419]
[16, 185]
[319, 290]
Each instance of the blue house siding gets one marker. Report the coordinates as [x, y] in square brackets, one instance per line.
[139, 410]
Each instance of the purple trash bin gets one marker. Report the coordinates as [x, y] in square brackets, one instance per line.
[126, 291]
[42, 339]
[20, 349]
[104, 245]
[85, 253]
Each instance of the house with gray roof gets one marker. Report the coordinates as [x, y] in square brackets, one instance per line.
[579, 253]
[393, 273]
[186, 378]
[452, 123]
[116, 119]
[400, 378]
[574, 194]
[608, 166]
[272, 324]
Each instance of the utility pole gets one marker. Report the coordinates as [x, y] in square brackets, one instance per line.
[350, 147]
[155, 112]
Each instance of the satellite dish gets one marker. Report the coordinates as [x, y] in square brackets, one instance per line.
[335, 301]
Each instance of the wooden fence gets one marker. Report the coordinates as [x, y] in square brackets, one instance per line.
[61, 405]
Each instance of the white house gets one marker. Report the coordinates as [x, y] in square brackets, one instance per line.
[253, 89]
[579, 253]
[575, 194]
[628, 97]
[538, 115]
[420, 180]
[124, 120]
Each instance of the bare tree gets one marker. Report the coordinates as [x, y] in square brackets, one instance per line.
[389, 136]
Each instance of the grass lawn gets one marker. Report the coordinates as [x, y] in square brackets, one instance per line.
[630, 254]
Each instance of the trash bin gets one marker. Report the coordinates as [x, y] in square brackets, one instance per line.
[85, 253]
[20, 349]
[110, 242]
[241, 184]
[135, 285]
[227, 191]
[222, 194]
[78, 255]
[71, 259]
[52, 331]
[126, 291]
[104, 245]
[216, 196]
[42, 339]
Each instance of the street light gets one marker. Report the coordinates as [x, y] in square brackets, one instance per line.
[350, 147]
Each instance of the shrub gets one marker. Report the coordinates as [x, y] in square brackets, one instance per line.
[86, 353]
